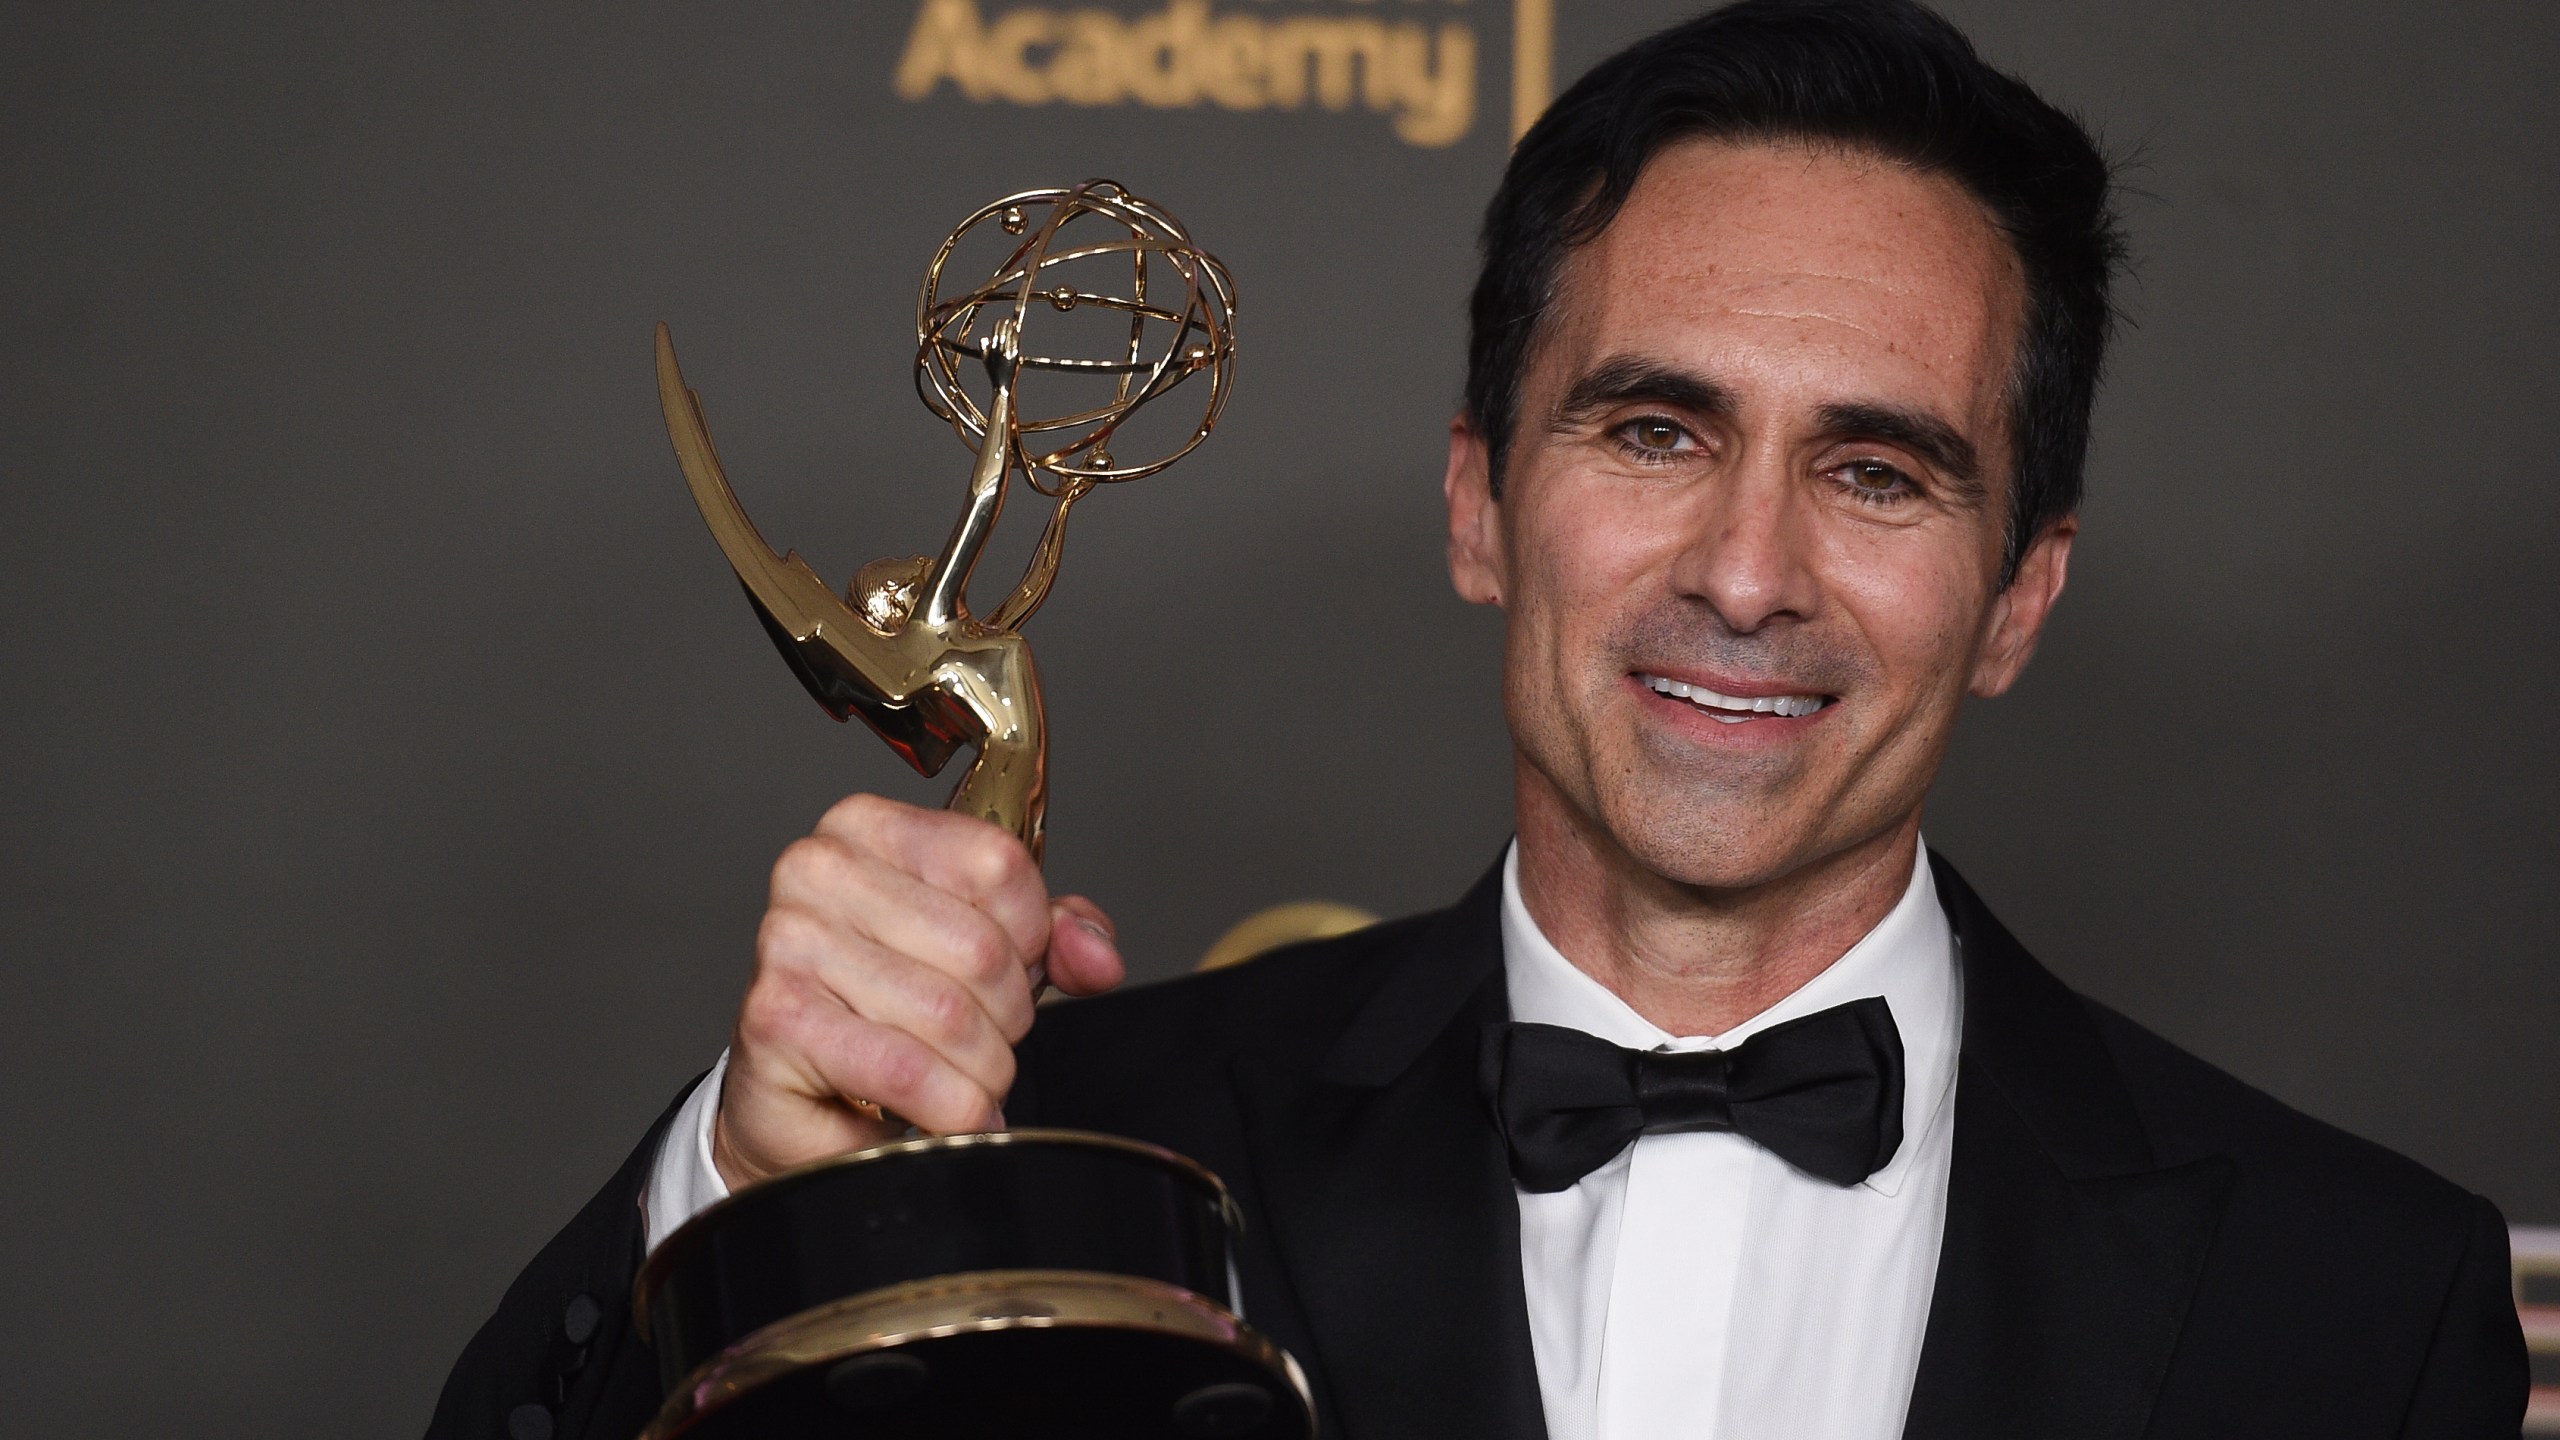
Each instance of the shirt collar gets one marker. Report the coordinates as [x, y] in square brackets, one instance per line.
[1909, 958]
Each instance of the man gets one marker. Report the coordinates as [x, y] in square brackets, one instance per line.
[1779, 387]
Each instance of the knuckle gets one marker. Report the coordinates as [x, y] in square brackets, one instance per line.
[860, 811]
[791, 869]
[1013, 864]
[770, 1017]
[993, 861]
[895, 1068]
[789, 939]
[818, 861]
[947, 1011]
[983, 952]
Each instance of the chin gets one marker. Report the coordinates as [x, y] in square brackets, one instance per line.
[1711, 847]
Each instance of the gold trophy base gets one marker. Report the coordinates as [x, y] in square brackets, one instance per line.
[997, 1286]
[997, 1355]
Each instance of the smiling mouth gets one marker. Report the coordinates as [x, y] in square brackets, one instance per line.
[1734, 709]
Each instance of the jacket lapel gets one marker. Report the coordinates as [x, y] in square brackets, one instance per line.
[1386, 1193]
[2070, 1255]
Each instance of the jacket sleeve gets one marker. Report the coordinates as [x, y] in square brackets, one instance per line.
[2474, 1383]
[560, 1360]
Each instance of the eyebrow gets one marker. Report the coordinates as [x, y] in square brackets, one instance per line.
[1623, 379]
[1627, 378]
[1932, 439]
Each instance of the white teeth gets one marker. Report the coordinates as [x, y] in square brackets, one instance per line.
[1783, 706]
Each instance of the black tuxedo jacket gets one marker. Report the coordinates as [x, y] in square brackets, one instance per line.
[2136, 1245]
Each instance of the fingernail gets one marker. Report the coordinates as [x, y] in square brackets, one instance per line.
[1096, 930]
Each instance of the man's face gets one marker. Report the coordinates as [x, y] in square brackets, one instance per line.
[1750, 533]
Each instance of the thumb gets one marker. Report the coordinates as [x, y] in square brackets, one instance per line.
[1084, 953]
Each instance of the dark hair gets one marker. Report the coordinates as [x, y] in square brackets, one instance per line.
[1886, 76]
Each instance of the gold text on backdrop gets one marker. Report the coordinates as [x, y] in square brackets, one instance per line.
[1533, 62]
[1420, 74]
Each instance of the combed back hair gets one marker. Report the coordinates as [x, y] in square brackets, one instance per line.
[1887, 77]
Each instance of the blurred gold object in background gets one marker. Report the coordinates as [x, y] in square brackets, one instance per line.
[1266, 930]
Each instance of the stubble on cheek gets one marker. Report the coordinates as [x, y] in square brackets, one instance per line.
[1546, 715]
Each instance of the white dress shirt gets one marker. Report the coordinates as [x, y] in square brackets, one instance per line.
[1696, 1287]
[682, 1181]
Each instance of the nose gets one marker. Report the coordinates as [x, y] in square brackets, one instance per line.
[1749, 550]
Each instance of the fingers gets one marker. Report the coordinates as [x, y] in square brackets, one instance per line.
[814, 961]
[958, 854]
[845, 1055]
[772, 1118]
[899, 920]
[1084, 950]
[895, 968]
[796, 1057]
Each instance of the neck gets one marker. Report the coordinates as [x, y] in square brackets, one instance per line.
[1698, 960]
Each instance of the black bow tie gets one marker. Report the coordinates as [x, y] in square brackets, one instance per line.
[1823, 1093]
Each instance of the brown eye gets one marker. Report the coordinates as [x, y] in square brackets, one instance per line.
[1654, 433]
[1874, 478]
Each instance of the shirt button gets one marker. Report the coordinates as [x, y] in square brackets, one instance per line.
[580, 1320]
[529, 1422]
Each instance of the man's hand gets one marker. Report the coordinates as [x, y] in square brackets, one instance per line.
[897, 965]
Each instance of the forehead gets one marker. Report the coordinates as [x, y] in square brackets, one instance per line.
[1808, 263]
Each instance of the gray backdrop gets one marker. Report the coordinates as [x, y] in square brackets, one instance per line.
[392, 767]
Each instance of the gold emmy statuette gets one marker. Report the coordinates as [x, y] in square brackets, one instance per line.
[1026, 1282]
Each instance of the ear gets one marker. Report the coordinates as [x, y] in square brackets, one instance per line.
[1475, 517]
[2019, 612]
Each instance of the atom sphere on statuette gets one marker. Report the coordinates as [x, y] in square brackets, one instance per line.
[1177, 299]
